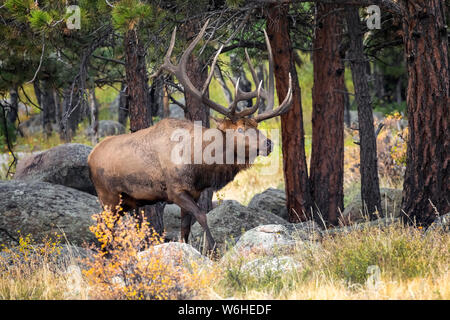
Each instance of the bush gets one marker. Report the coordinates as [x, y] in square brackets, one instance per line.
[118, 271]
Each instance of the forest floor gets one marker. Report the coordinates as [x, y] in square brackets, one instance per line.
[396, 262]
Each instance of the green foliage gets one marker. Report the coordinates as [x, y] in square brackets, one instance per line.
[39, 19]
[389, 108]
[19, 8]
[129, 13]
[234, 3]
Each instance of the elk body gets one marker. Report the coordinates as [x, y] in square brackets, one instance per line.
[139, 169]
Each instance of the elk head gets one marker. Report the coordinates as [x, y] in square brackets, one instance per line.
[242, 122]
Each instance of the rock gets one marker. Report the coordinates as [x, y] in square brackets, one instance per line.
[180, 255]
[176, 111]
[262, 267]
[273, 200]
[64, 165]
[32, 125]
[172, 222]
[230, 220]
[107, 128]
[275, 239]
[41, 209]
[379, 116]
[266, 239]
[391, 200]
[442, 223]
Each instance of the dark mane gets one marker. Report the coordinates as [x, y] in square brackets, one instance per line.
[215, 176]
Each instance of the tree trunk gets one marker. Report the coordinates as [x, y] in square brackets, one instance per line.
[347, 115]
[58, 110]
[426, 189]
[139, 107]
[123, 105]
[93, 106]
[137, 82]
[370, 187]
[47, 103]
[13, 105]
[156, 97]
[196, 110]
[293, 141]
[71, 115]
[327, 155]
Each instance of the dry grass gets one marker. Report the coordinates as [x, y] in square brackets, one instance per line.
[412, 264]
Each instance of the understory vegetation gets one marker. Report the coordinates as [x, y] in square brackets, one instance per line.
[393, 262]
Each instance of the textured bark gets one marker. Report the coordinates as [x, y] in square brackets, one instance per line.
[137, 82]
[13, 105]
[123, 105]
[93, 106]
[426, 189]
[370, 187]
[139, 106]
[298, 197]
[71, 115]
[156, 97]
[47, 103]
[327, 155]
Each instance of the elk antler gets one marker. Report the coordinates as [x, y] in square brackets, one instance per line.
[180, 72]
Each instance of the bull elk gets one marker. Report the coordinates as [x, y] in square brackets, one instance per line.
[137, 169]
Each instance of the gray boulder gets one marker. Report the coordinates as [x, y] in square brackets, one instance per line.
[107, 128]
[41, 209]
[32, 125]
[442, 223]
[391, 201]
[279, 265]
[172, 222]
[275, 238]
[64, 165]
[230, 220]
[180, 255]
[176, 111]
[273, 200]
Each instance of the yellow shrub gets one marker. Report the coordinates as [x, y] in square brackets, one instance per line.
[118, 271]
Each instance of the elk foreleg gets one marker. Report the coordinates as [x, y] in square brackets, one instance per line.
[186, 222]
[187, 203]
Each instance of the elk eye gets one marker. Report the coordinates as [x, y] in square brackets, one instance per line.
[240, 130]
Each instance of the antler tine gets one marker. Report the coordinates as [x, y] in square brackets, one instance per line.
[180, 71]
[271, 89]
[237, 95]
[166, 62]
[211, 72]
[252, 110]
[284, 107]
[185, 56]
